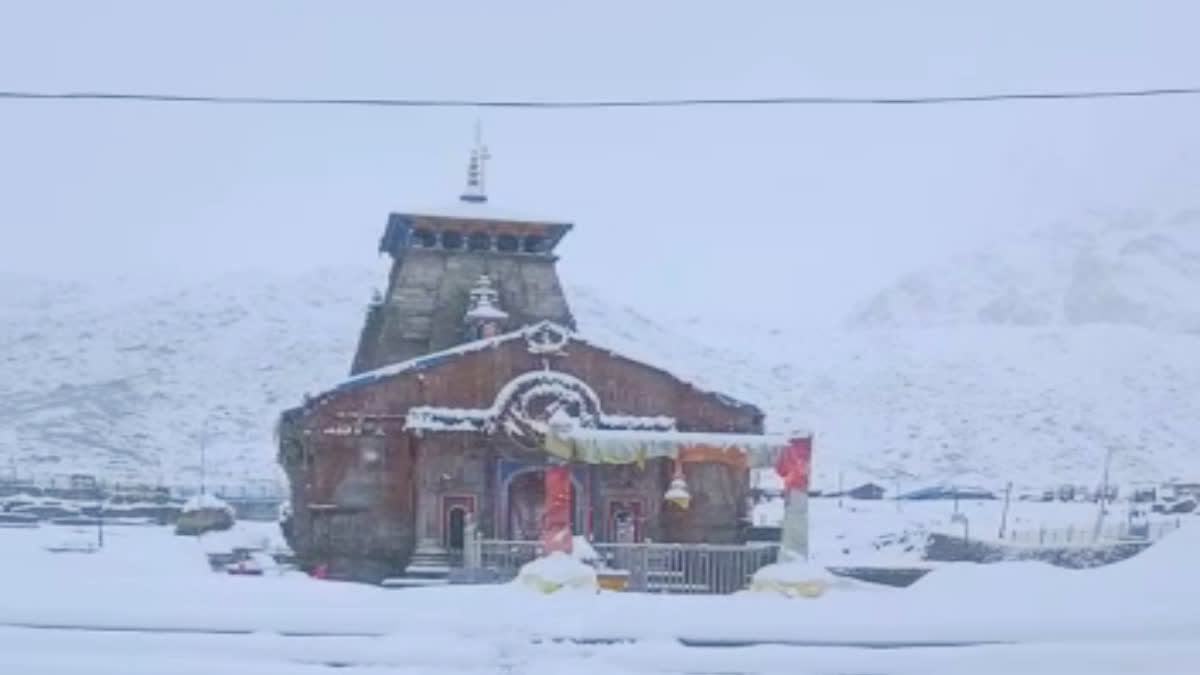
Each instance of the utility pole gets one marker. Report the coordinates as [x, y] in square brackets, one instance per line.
[1103, 501]
[203, 442]
[204, 433]
[841, 486]
[1004, 514]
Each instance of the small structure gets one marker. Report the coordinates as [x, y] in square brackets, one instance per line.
[867, 491]
[472, 399]
[1184, 490]
[204, 513]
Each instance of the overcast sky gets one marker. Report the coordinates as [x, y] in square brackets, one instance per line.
[759, 212]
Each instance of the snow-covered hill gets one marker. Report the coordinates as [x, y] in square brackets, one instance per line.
[136, 386]
[1026, 363]
[1122, 268]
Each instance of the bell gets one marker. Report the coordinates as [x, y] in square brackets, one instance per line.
[677, 492]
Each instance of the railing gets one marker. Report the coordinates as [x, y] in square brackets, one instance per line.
[1084, 535]
[652, 568]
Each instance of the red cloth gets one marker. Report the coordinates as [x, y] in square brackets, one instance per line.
[795, 464]
[556, 529]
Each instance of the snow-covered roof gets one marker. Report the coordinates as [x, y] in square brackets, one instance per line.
[561, 386]
[428, 360]
[206, 501]
[533, 333]
[463, 210]
[629, 445]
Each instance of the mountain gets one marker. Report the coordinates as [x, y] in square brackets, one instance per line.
[1026, 362]
[132, 389]
[1118, 268]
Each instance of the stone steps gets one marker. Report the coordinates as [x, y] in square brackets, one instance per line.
[427, 566]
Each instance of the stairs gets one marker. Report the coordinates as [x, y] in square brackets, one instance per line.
[429, 566]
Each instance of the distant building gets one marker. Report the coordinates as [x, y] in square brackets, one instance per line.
[867, 491]
[1185, 490]
[1144, 494]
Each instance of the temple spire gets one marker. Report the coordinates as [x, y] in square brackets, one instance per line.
[477, 170]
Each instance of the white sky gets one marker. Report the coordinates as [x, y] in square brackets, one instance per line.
[754, 212]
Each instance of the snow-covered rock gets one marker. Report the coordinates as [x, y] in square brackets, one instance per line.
[204, 513]
[795, 579]
[557, 572]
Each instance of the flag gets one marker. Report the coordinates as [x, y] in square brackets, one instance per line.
[795, 464]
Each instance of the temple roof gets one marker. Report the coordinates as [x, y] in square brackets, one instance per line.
[481, 211]
[545, 335]
[468, 217]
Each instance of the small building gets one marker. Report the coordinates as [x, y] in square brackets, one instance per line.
[474, 403]
[1181, 491]
[867, 491]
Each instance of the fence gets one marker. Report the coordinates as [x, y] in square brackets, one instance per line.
[652, 568]
[1084, 535]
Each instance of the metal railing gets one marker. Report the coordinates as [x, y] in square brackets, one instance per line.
[1083, 535]
[651, 568]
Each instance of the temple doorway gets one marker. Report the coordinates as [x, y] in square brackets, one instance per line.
[527, 506]
[456, 536]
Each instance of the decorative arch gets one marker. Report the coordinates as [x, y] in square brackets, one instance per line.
[526, 406]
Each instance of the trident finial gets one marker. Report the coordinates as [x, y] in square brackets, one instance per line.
[477, 169]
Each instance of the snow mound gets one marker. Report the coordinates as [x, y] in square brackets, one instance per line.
[967, 579]
[1168, 566]
[206, 501]
[581, 550]
[798, 579]
[555, 572]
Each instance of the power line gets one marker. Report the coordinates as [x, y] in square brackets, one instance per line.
[130, 97]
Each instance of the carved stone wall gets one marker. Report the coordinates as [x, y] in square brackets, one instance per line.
[428, 296]
[361, 518]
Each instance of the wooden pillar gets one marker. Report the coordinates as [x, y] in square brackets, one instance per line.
[556, 527]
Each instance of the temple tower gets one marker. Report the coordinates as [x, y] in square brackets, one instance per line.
[460, 273]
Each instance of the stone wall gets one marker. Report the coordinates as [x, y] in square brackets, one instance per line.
[359, 515]
[353, 504]
[427, 299]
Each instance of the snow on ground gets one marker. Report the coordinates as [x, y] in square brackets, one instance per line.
[32, 652]
[889, 532]
[1138, 615]
[149, 577]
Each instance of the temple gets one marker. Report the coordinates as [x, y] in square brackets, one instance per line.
[473, 402]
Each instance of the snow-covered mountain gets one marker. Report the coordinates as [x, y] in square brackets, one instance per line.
[1026, 362]
[1117, 268]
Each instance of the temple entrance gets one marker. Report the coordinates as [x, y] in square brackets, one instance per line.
[455, 511]
[527, 506]
[625, 521]
[457, 529]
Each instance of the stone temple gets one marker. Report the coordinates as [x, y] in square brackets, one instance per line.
[473, 403]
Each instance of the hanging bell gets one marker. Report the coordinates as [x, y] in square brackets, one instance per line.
[677, 492]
